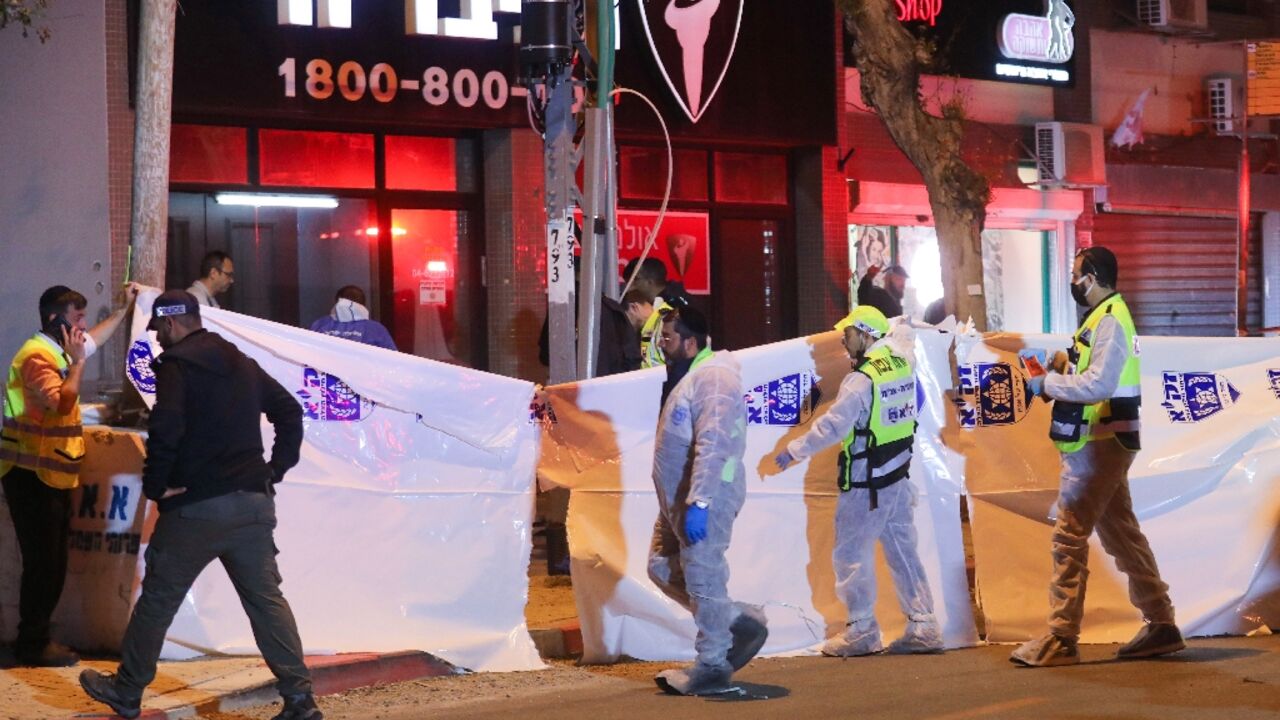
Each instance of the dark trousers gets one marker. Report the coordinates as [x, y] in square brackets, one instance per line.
[42, 522]
[236, 529]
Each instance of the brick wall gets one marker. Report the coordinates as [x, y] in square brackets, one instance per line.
[515, 250]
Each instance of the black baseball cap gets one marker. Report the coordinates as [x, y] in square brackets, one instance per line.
[172, 303]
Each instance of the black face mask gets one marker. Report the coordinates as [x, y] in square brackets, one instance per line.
[1078, 294]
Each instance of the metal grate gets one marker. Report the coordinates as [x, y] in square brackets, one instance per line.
[1045, 155]
[1153, 12]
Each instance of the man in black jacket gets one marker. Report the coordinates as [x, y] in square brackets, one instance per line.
[205, 470]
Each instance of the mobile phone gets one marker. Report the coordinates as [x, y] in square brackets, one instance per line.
[1032, 365]
[57, 325]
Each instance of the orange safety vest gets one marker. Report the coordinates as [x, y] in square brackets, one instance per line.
[49, 443]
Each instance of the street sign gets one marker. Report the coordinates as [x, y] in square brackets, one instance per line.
[1263, 88]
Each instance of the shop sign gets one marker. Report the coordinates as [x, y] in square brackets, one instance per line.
[360, 62]
[679, 36]
[1034, 39]
[683, 244]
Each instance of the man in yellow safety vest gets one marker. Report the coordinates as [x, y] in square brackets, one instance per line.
[41, 446]
[874, 419]
[1096, 392]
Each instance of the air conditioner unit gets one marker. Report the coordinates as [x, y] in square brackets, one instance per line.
[1070, 154]
[1174, 14]
[1222, 103]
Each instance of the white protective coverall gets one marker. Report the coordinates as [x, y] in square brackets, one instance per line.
[701, 438]
[1094, 494]
[858, 527]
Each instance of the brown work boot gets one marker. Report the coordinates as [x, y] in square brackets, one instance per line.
[1047, 651]
[51, 655]
[1152, 640]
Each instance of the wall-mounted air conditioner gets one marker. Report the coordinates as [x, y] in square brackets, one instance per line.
[1070, 154]
[1222, 104]
[1174, 14]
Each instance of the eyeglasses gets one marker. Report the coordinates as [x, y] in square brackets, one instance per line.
[228, 273]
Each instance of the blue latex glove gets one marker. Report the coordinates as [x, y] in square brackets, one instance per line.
[783, 459]
[1036, 384]
[695, 524]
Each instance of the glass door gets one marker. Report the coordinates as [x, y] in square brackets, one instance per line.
[438, 298]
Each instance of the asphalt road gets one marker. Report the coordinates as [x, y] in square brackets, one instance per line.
[1217, 678]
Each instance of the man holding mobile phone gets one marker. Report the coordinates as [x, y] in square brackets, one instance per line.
[41, 446]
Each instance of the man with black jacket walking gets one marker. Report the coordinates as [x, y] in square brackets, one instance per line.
[205, 470]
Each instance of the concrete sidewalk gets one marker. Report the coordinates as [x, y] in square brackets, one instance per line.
[203, 685]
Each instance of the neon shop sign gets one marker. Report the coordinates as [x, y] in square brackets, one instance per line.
[1048, 38]
[919, 10]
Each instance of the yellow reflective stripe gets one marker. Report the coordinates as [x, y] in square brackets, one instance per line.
[34, 429]
[35, 462]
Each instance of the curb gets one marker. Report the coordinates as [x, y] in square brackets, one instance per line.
[330, 674]
[560, 642]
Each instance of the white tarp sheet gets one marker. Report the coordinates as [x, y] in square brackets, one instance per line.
[407, 523]
[1206, 488]
[601, 446]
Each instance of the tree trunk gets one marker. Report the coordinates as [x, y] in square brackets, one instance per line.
[152, 124]
[890, 61]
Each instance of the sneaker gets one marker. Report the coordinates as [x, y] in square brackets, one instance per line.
[104, 688]
[859, 638]
[920, 637]
[51, 655]
[1047, 651]
[697, 679]
[1152, 640]
[300, 707]
[749, 633]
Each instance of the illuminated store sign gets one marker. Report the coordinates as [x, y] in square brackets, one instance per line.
[919, 10]
[1024, 41]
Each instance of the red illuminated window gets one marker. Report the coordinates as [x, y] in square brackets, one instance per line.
[642, 173]
[750, 178]
[428, 163]
[315, 159]
[208, 154]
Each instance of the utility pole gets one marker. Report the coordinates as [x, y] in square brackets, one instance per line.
[549, 37]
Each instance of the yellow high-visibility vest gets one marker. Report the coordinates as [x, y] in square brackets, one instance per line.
[49, 443]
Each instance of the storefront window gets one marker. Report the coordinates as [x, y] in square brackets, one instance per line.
[289, 262]
[294, 158]
[758, 311]
[430, 163]
[751, 178]
[1012, 264]
[642, 173]
[208, 154]
[434, 307]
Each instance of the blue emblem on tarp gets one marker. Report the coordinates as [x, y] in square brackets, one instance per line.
[138, 367]
[1274, 377]
[1191, 397]
[991, 393]
[788, 400]
[326, 397]
[541, 413]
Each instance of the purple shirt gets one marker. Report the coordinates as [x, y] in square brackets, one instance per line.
[369, 332]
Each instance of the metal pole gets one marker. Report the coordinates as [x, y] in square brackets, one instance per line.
[150, 216]
[560, 182]
[1242, 218]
